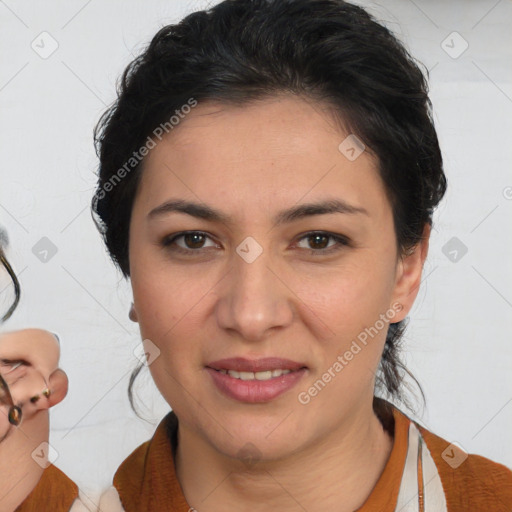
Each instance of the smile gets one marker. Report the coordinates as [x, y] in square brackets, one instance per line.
[266, 375]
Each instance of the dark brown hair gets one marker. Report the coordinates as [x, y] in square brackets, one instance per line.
[5, 263]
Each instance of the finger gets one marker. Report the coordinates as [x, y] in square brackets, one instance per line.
[29, 392]
[37, 347]
[9, 413]
[11, 371]
[58, 384]
[51, 395]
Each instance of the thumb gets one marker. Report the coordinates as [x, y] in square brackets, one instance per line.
[58, 384]
[55, 392]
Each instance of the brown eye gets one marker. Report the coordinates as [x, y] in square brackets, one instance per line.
[318, 243]
[189, 242]
[193, 240]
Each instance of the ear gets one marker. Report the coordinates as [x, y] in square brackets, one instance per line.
[408, 275]
[133, 314]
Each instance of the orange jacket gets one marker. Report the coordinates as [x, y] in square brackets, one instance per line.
[146, 480]
[54, 492]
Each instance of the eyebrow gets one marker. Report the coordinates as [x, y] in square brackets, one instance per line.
[283, 217]
[289, 215]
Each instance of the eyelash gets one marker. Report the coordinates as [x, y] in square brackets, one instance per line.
[342, 241]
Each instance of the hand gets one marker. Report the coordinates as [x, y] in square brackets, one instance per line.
[29, 361]
[29, 367]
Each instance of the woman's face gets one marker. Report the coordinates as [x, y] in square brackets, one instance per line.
[257, 291]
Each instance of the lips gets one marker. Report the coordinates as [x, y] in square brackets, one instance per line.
[255, 380]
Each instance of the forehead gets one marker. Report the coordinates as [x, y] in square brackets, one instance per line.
[282, 125]
[278, 149]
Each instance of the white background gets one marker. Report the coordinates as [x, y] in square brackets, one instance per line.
[458, 343]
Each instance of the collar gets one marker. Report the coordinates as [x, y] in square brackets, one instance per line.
[410, 482]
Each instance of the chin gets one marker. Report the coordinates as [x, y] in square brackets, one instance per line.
[258, 450]
[256, 439]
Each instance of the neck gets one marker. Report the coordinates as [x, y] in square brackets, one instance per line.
[19, 473]
[336, 473]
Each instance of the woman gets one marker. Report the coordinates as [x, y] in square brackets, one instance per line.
[267, 181]
[30, 383]
[274, 234]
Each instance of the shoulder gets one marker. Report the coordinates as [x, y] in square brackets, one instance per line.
[130, 473]
[469, 480]
[149, 469]
[132, 470]
[55, 488]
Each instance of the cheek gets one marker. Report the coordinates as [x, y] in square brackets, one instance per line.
[166, 298]
[350, 294]
[170, 309]
[348, 307]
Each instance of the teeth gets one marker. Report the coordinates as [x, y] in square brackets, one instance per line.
[266, 375]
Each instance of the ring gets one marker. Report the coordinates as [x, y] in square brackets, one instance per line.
[15, 415]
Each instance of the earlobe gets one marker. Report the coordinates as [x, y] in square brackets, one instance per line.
[133, 314]
[408, 276]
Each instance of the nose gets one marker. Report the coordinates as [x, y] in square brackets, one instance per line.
[254, 298]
